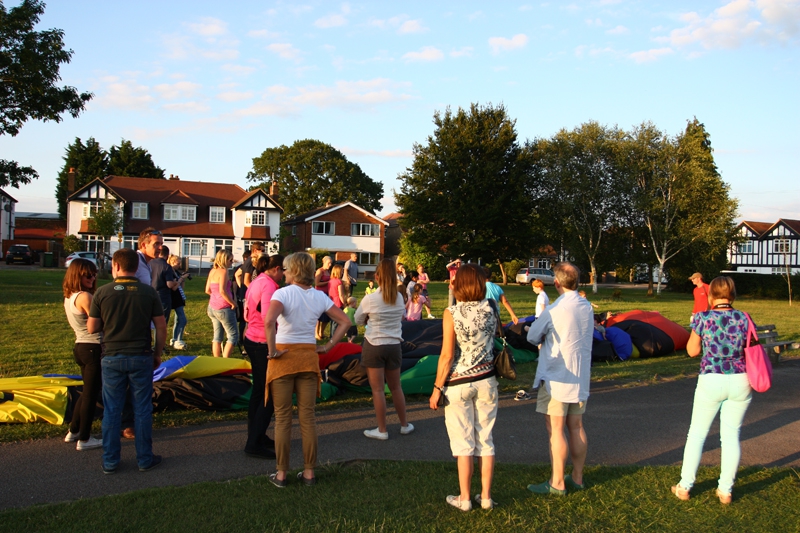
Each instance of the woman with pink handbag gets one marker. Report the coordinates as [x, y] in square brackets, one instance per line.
[722, 386]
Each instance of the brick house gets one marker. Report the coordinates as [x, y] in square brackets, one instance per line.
[341, 229]
[197, 218]
[766, 247]
[7, 207]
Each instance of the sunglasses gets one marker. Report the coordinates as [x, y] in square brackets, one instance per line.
[90, 276]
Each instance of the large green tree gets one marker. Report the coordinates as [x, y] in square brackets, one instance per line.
[89, 160]
[106, 222]
[310, 173]
[466, 193]
[29, 71]
[134, 161]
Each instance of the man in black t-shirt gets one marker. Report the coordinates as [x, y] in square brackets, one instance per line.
[163, 279]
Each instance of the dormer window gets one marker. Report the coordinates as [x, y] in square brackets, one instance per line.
[216, 215]
[139, 210]
[255, 218]
[178, 212]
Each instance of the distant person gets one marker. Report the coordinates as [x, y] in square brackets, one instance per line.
[370, 288]
[465, 375]
[350, 311]
[178, 305]
[410, 282]
[542, 300]
[565, 330]
[416, 301]
[700, 294]
[423, 280]
[336, 291]
[222, 306]
[294, 362]
[382, 313]
[350, 275]
[582, 294]
[495, 292]
[150, 242]
[321, 279]
[122, 310]
[163, 279]
[240, 289]
[80, 283]
[401, 273]
[720, 335]
[452, 268]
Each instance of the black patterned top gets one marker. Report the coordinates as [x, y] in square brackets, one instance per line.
[475, 324]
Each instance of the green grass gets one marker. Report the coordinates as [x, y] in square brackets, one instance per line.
[410, 496]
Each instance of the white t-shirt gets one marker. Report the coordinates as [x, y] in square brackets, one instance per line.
[385, 321]
[301, 310]
[542, 301]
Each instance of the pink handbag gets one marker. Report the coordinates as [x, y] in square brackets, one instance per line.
[757, 363]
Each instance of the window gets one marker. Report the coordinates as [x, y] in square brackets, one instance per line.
[255, 218]
[323, 228]
[365, 230]
[195, 247]
[217, 215]
[781, 246]
[294, 230]
[223, 244]
[139, 210]
[779, 270]
[544, 263]
[93, 243]
[186, 213]
[90, 208]
[366, 258]
[130, 242]
[745, 247]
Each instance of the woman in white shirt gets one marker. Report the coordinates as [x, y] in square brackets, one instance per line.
[382, 313]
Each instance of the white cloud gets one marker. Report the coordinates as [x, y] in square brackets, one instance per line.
[465, 51]
[618, 30]
[426, 53]
[263, 34]
[592, 51]
[208, 27]
[500, 44]
[234, 96]
[647, 56]
[187, 107]
[182, 89]
[125, 94]
[285, 51]
[239, 70]
[411, 26]
[335, 19]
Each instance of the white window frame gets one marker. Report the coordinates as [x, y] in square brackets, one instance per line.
[223, 244]
[139, 210]
[90, 208]
[328, 228]
[364, 230]
[745, 247]
[199, 245]
[180, 213]
[544, 263]
[368, 258]
[782, 246]
[214, 213]
[256, 217]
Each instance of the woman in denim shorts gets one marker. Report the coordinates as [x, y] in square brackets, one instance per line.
[466, 377]
[222, 305]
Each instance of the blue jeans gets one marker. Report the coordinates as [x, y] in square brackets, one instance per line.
[729, 395]
[119, 371]
[224, 319]
[180, 324]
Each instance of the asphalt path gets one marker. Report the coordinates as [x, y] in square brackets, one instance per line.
[644, 425]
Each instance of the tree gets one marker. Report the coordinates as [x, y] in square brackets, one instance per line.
[29, 70]
[310, 173]
[89, 160]
[466, 193]
[125, 160]
[105, 222]
[72, 243]
[580, 176]
[412, 255]
[680, 194]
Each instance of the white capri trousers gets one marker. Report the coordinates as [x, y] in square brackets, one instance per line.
[470, 417]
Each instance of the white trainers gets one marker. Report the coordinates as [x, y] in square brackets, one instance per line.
[463, 505]
[431, 316]
[89, 444]
[485, 504]
[179, 345]
[405, 430]
[71, 437]
[376, 434]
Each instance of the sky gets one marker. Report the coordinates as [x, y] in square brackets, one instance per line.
[207, 86]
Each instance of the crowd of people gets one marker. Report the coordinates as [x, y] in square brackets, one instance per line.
[121, 334]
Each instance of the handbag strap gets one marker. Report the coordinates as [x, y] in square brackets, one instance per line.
[496, 309]
[751, 329]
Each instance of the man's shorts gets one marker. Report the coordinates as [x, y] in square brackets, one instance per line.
[546, 405]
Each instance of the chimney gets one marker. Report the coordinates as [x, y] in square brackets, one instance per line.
[173, 177]
[273, 190]
[70, 181]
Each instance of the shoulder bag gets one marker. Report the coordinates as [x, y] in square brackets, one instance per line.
[504, 364]
[757, 363]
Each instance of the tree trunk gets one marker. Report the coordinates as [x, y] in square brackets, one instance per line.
[594, 276]
[660, 270]
[649, 279]
[503, 272]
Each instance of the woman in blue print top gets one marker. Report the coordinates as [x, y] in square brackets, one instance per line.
[722, 386]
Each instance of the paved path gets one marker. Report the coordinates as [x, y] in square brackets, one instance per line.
[640, 425]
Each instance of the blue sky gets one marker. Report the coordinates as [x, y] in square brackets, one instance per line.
[207, 86]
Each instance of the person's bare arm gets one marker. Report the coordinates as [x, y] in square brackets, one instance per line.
[270, 328]
[694, 346]
[343, 324]
[83, 302]
[445, 358]
[160, 322]
[507, 305]
[237, 277]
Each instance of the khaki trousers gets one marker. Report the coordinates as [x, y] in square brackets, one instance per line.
[304, 384]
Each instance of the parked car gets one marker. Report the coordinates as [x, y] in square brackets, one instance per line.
[90, 256]
[19, 253]
[526, 275]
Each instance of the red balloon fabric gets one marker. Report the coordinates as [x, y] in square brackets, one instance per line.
[339, 351]
[676, 332]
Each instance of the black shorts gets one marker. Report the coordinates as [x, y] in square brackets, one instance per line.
[387, 356]
[352, 331]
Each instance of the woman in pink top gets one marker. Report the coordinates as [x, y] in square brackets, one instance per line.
[221, 305]
[269, 272]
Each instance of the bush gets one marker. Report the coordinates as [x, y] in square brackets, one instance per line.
[71, 244]
[764, 285]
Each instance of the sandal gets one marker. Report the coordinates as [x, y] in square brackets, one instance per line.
[680, 493]
[724, 499]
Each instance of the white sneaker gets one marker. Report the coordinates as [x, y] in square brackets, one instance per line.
[179, 345]
[485, 504]
[376, 434]
[431, 316]
[71, 437]
[405, 430]
[89, 444]
[455, 501]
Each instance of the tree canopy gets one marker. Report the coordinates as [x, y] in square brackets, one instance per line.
[310, 173]
[467, 191]
[29, 69]
[127, 160]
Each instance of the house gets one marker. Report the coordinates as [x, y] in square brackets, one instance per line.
[196, 218]
[7, 206]
[766, 248]
[43, 232]
[341, 229]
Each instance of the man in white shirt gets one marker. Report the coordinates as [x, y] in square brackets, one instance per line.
[562, 377]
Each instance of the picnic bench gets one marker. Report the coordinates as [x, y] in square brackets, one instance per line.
[768, 336]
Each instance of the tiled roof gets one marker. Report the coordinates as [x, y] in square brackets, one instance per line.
[314, 212]
[179, 197]
[254, 192]
[757, 227]
[794, 224]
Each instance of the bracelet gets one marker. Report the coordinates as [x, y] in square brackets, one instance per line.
[437, 387]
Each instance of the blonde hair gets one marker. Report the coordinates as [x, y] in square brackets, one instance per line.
[336, 271]
[173, 260]
[222, 258]
[416, 293]
[300, 266]
[384, 275]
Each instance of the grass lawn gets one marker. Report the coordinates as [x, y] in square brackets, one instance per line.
[38, 340]
[410, 496]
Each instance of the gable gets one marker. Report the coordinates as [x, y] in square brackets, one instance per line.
[95, 190]
[257, 199]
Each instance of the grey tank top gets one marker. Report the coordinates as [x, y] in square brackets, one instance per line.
[78, 322]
